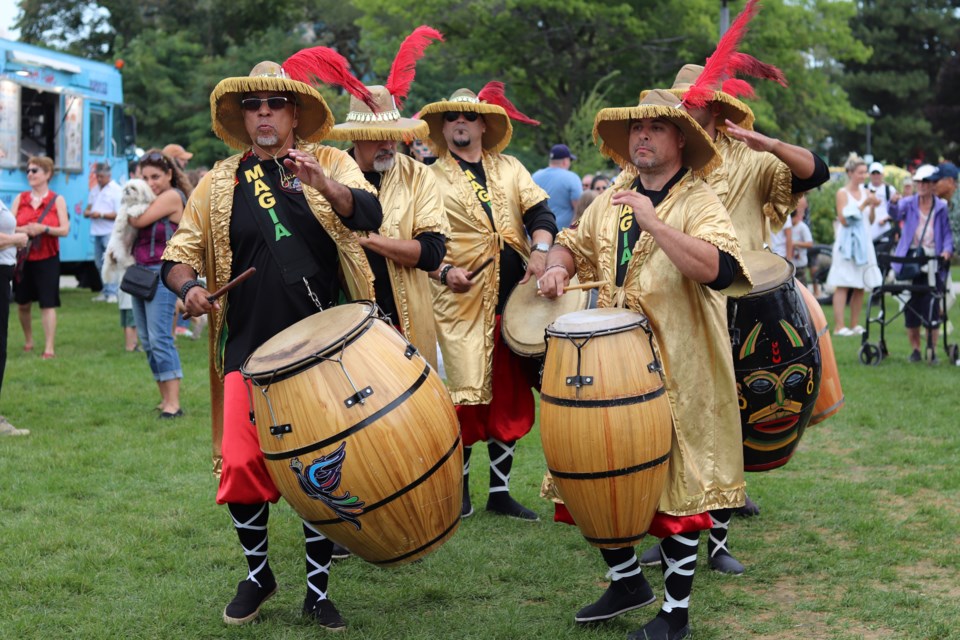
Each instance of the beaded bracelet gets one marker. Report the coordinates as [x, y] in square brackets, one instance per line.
[189, 284]
[554, 266]
[443, 274]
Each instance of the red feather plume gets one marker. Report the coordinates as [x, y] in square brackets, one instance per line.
[329, 67]
[494, 93]
[738, 88]
[404, 67]
[748, 65]
[717, 65]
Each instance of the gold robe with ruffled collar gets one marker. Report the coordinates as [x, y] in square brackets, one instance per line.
[412, 205]
[689, 322]
[755, 188]
[465, 321]
[202, 241]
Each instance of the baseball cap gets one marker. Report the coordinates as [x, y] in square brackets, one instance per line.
[946, 170]
[924, 173]
[176, 151]
[876, 167]
[561, 151]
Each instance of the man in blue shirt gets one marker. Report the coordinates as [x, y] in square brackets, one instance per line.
[562, 185]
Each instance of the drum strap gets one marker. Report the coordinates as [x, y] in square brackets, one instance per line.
[288, 250]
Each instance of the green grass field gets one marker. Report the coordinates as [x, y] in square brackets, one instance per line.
[108, 527]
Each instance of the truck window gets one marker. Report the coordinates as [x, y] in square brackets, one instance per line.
[98, 131]
[38, 123]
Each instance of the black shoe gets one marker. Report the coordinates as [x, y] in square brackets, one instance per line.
[503, 504]
[340, 553]
[749, 509]
[915, 356]
[466, 510]
[245, 606]
[651, 557]
[170, 415]
[659, 629]
[325, 614]
[617, 599]
[725, 563]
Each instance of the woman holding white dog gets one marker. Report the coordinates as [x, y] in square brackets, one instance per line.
[154, 318]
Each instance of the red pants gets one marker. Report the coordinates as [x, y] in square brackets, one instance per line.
[244, 479]
[510, 415]
[663, 526]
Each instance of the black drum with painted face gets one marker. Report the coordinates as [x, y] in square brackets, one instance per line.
[776, 362]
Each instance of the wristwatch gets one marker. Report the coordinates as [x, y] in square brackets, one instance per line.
[543, 247]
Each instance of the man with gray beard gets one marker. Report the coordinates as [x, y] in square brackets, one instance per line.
[287, 206]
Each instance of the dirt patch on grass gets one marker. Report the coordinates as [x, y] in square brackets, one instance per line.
[938, 582]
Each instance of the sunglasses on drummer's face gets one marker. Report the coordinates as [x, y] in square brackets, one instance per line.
[275, 103]
[453, 116]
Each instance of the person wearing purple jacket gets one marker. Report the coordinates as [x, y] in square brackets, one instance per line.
[925, 223]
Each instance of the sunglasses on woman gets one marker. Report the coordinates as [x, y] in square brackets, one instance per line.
[275, 103]
[469, 116]
[33, 170]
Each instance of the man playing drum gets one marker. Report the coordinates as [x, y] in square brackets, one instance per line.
[288, 207]
[662, 244]
[492, 205]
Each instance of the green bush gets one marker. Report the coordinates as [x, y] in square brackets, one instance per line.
[823, 211]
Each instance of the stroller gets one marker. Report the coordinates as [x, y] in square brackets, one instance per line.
[873, 353]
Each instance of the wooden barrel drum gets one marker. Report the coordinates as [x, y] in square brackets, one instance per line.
[359, 434]
[605, 422]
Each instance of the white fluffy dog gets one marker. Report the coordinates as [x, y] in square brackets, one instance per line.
[118, 255]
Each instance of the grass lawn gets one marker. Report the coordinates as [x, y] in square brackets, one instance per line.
[108, 528]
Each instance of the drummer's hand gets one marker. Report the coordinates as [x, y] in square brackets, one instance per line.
[643, 211]
[535, 266]
[552, 283]
[197, 304]
[457, 280]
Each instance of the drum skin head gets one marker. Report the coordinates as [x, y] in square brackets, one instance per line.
[526, 315]
[590, 320]
[767, 270]
[316, 335]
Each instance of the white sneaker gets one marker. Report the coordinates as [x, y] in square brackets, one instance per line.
[858, 330]
[7, 429]
[112, 299]
[98, 298]
[843, 331]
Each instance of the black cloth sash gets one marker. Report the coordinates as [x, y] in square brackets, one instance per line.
[289, 251]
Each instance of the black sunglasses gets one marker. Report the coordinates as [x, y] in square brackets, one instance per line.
[33, 170]
[155, 157]
[276, 103]
[469, 116]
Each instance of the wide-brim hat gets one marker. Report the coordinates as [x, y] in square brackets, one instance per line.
[731, 108]
[498, 132]
[314, 118]
[362, 123]
[612, 128]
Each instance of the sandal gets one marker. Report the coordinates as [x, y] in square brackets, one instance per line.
[48, 356]
[27, 348]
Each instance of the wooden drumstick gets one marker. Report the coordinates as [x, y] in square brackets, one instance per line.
[583, 285]
[483, 265]
[225, 288]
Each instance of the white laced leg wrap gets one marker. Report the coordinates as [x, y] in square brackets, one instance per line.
[317, 568]
[620, 571]
[674, 567]
[466, 463]
[504, 477]
[718, 544]
[257, 551]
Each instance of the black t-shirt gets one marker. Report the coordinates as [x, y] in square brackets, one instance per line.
[432, 250]
[264, 305]
[535, 218]
[629, 234]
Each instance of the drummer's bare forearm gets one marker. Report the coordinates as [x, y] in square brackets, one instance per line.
[542, 235]
[404, 252]
[179, 275]
[561, 255]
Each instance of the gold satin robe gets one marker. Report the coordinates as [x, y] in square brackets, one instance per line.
[202, 241]
[465, 321]
[689, 322]
[411, 205]
[754, 186]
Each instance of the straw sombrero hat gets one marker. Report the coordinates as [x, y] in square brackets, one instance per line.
[491, 103]
[612, 128]
[313, 115]
[380, 119]
[730, 108]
